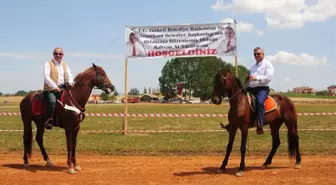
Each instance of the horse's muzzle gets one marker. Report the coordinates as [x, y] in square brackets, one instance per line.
[110, 90]
[216, 100]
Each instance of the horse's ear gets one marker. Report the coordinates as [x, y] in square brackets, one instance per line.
[94, 65]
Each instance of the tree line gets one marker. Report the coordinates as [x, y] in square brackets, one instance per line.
[196, 74]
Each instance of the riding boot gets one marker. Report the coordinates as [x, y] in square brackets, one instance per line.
[260, 128]
[51, 97]
[261, 97]
[259, 122]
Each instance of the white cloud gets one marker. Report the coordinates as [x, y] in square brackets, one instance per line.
[260, 33]
[286, 79]
[42, 55]
[241, 26]
[288, 14]
[292, 59]
[244, 27]
[227, 20]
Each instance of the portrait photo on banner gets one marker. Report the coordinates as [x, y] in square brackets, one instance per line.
[134, 47]
[228, 46]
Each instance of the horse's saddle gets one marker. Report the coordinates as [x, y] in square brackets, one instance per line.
[269, 104]
[39, 105]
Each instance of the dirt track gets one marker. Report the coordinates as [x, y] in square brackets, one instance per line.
[165, 170]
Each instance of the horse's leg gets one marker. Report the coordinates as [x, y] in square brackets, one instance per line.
[27, 139]
[244, 134]
[68, 134]
[39, 140]
[232, 128]
[275, 126]
[74, 142]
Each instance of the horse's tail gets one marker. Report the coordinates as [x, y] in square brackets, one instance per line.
[290, 117]
[27, 129]
[28, 139]
[293, 142]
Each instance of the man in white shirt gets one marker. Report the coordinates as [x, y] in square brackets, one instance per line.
[57, 75]
[134, 48]
[260, 75]
[228, 46]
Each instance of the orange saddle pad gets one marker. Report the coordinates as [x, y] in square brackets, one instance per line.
[269, 104]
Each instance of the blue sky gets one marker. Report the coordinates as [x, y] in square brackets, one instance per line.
[298, 37]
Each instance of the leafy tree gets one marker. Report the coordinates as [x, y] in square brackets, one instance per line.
[196, 75]
[113, 97]
[1, 94]
[115, 93]
[149, 90]
[134, 91]
[21, 93]
[242, 72]
[104, 96]
[145, 90]
[322, 93]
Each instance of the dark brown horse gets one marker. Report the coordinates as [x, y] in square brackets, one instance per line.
[70, 110]
[242, 116]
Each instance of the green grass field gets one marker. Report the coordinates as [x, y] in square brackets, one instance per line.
[308, 96]
[311, 142]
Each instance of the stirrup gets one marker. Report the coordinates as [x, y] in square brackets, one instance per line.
[48, 123]
[259, 130]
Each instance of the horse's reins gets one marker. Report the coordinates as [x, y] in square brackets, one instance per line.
[82, 109]
[244, 86]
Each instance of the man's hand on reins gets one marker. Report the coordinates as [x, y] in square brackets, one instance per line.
[252, 78]
[57, 89]
[68, 85]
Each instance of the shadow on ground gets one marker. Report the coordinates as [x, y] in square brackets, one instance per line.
[229, 171]
[35, 168]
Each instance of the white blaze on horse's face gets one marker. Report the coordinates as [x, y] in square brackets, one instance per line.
[110, 81]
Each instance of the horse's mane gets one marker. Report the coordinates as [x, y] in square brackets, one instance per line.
[80, 75]
[221, 71]
[218, 77]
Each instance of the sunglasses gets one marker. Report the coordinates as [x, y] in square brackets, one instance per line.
[257, 54]
[60, 54]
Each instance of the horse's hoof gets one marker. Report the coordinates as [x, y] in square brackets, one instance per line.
[240, 173]
[26, 165]
[49, 163]
[71, 171]
[298, 166]
[265, 166]
[78, 168]
[220, 170]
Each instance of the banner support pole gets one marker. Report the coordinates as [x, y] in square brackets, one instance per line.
[236, 55]
[125, 98]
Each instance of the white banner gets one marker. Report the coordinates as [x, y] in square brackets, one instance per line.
[180, 41]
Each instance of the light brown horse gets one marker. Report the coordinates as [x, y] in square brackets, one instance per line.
[70, 110]
[243, 117]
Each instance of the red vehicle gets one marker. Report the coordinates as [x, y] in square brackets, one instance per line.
[131, 100]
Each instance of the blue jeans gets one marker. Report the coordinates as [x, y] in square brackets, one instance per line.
[51, 99]
[261, 94]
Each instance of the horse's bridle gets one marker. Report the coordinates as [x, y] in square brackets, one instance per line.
[233, 95]
[101, 86]
[99, 83]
